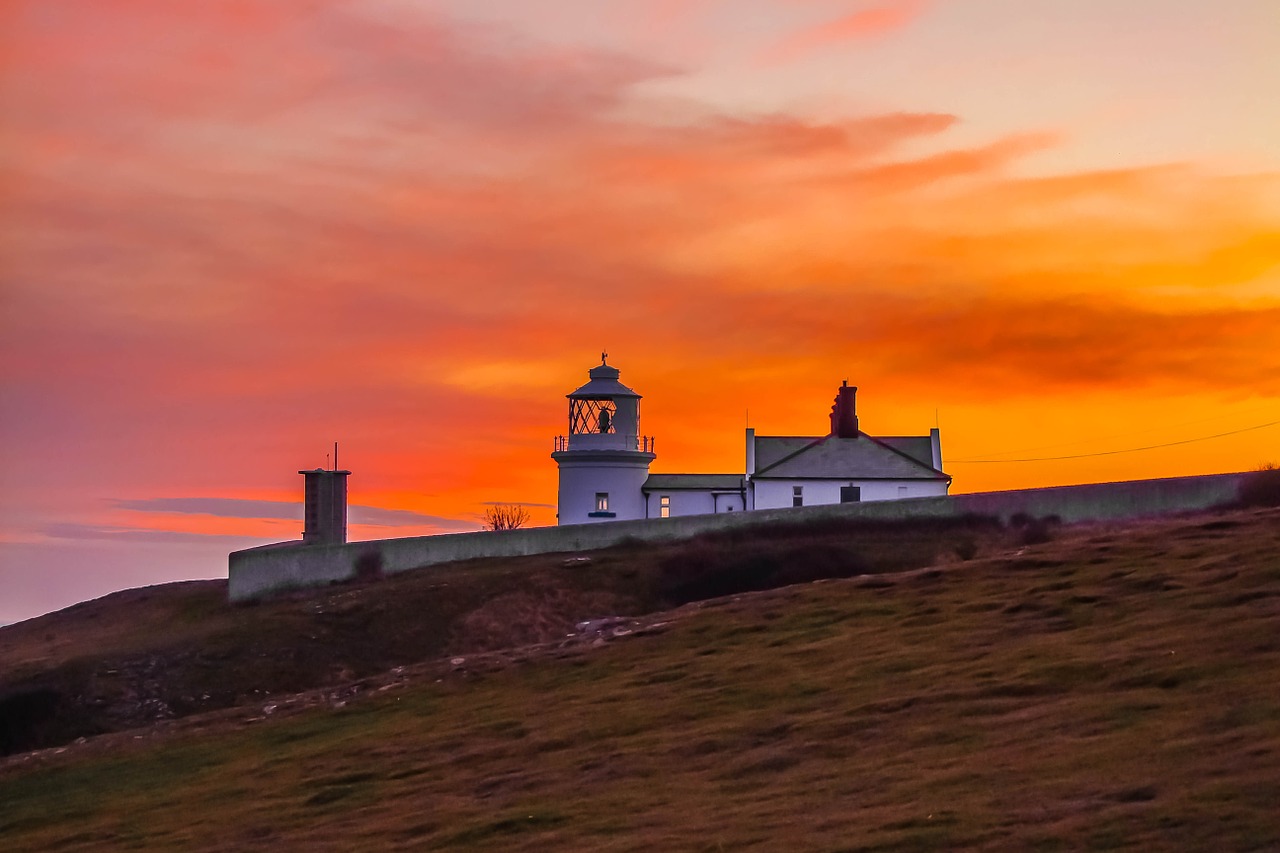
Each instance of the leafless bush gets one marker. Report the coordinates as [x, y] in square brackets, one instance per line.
[505, 517]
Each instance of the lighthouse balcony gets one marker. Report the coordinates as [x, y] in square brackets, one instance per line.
[604, 441]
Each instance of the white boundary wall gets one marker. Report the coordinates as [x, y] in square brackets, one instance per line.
[258, 571]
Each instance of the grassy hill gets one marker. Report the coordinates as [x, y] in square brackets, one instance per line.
[1112, 688]
[169, 651]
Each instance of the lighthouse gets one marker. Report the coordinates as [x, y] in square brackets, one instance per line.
[604, 460]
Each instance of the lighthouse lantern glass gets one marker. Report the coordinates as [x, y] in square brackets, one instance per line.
[592, 416]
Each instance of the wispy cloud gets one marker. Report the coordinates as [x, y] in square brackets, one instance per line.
[864, 23]
[114, 533]
[289, 510]
[221, 507]
[381, 517]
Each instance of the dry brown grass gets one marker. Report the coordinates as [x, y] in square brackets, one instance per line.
[1112, 689]
[170, 651]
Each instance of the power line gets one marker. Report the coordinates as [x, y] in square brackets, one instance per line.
[1112, 452]
[1091, 439]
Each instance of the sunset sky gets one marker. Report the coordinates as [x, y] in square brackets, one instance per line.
[235, 232]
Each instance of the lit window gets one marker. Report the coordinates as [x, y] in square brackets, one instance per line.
[664, 506]
[602, 501]
[797, 495]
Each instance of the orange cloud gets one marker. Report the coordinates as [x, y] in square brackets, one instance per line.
[225, 253]
[864, 23]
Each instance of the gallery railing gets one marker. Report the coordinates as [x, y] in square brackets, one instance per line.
[604, 441]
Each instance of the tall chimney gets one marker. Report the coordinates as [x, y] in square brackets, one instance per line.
[324, 507]
[845, 413]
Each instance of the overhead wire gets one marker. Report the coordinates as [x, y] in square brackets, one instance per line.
[1096, 438]
[1111, 452]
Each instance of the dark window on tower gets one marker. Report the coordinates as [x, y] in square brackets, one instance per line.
[850, 494]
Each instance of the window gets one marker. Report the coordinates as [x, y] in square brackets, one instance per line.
[850, 494]
[797, 495]
[664, 506]
[602, 501]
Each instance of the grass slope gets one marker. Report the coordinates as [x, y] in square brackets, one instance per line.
[170, 651]
[1113, 689]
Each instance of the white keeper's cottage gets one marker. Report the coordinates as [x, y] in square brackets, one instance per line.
[604, 463]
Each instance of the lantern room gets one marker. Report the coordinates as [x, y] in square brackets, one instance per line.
[604, 414]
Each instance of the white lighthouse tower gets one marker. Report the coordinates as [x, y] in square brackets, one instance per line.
[604, 460]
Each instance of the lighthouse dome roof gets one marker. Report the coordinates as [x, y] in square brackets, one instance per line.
[604, 383]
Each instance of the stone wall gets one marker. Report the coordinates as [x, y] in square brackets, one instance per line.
[257, 571]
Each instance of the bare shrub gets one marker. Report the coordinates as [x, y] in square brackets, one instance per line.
[505, 517]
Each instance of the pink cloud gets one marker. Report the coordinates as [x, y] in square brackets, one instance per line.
[231, 241]
[862, 24]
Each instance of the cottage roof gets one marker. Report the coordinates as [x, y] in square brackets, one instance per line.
[698, 482]
[918, 447]
[833, 458]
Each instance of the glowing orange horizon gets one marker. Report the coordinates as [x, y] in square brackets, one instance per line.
[235, 234]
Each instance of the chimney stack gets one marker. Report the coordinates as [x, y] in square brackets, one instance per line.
[844, 414]
[324, 507]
